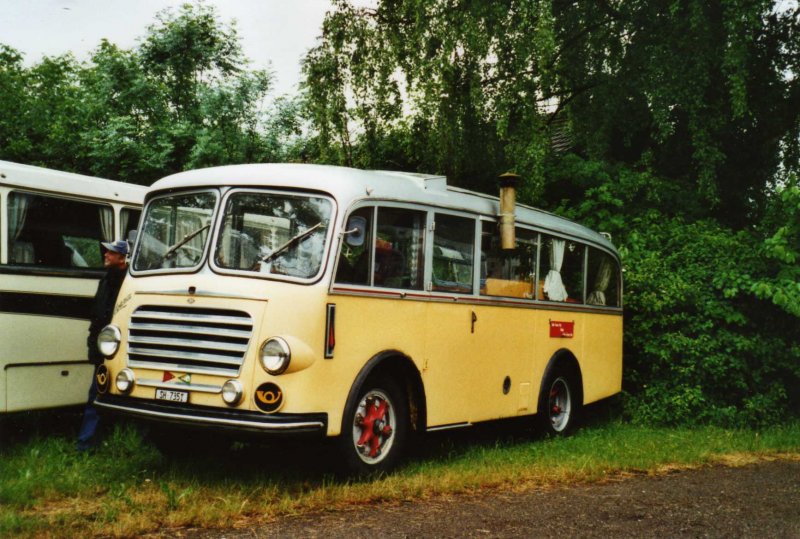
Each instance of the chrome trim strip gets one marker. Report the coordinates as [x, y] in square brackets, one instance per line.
[174, 354]
[492, 301]
[190, 343]
[138, 326]
[158, 366]
[200, 388]
[192, 317]
[215, 421]
[448, 427]
[200, 293]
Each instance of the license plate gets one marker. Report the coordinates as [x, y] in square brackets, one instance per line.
[172, 396]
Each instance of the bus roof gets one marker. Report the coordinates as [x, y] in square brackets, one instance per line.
[55, 181]
[349, 185]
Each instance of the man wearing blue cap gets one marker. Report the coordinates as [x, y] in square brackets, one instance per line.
[114, 261]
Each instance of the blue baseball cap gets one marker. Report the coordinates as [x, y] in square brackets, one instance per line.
[119, 246]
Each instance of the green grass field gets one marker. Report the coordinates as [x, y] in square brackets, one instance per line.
[127, 488]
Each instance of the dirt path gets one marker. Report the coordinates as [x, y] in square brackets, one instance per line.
[757, 500]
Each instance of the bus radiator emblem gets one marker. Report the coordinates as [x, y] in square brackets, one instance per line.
[268, 397]
[102, 379]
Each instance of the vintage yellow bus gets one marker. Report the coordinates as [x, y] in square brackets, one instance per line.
[356, 305]
[51, 226]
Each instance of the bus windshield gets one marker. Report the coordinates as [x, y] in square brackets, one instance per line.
[274, 234]
[175, 231]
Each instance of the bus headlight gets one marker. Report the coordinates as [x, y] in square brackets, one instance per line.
[125, 381]
[108, 340]
[232, 392]
[275, 355]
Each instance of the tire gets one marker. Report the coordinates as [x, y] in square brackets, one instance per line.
[375, 429]
[559, 402]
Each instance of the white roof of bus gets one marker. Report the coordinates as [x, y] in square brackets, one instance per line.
[55, 181]
[348, 185]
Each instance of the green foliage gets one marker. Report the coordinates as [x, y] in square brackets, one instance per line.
[703, 342]
[782, 286]
[703, 93]
[182, 99]
[699, 346]
[455, 83]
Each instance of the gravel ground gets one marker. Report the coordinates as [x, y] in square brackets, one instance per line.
[757, 500]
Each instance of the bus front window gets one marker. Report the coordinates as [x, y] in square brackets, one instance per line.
[274, 234]
[175, 231]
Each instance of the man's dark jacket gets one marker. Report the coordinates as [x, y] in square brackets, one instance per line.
[103, 309]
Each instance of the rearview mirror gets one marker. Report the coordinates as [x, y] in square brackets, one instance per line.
[356, 231]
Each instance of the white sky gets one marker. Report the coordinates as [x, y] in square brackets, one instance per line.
[275, 34]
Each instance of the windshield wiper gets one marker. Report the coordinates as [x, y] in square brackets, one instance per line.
[302, 235]
[169, 252]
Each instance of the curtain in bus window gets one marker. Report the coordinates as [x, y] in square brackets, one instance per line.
[20, 252]
[554, 287]
[128, 220]
[602, 279]
[107, 223]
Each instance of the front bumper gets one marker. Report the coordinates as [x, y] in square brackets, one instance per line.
[215, 418]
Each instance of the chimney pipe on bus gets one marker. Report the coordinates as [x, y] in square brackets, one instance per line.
[508, 194]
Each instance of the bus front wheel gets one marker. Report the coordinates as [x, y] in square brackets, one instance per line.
[376, 428]
[558, 403]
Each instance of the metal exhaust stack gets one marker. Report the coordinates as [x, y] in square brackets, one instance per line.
[508, 195]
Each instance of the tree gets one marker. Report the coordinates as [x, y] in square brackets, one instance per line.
[435, 75]
[703, 93]
[183, 99]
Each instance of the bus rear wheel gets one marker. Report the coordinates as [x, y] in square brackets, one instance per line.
[376, 429]
[558, 403]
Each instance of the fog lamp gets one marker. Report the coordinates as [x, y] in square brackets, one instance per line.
[232, 392]
[125, 381]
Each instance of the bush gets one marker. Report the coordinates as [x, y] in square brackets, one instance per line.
[711, 317]
[699, 346]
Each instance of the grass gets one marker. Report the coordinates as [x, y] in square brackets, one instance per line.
[127, 488]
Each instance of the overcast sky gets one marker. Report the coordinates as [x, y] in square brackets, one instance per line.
[275, 33]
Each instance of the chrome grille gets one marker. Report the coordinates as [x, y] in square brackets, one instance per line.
[186, 339]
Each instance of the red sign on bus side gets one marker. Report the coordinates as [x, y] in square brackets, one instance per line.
[562, 330]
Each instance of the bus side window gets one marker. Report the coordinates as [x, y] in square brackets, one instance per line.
[453, 254]
[399, 249]
[353, 266]
[508, 272]
[57, 232]
[562, 263]
[603, 273]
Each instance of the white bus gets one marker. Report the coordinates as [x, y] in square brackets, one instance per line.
[51, 226]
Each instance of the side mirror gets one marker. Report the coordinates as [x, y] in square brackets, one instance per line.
[356, 231]
[132, 236]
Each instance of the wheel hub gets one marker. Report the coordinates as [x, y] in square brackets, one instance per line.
[374, 427]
